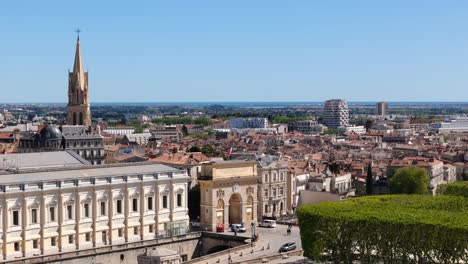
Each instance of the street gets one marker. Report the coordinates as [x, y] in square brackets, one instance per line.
[270, 240]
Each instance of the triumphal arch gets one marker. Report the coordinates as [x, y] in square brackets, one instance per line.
[228, 194]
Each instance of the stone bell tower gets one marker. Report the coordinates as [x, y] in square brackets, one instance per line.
[78, 109]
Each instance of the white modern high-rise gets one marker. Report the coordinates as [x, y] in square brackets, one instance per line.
[335, 113]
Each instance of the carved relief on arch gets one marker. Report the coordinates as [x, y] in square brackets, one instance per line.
[220, 193]
[250, 190]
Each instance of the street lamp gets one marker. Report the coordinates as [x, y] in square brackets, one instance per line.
[253, 231]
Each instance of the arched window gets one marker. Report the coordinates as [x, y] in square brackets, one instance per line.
[74, 119]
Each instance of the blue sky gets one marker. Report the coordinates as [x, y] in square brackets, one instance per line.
[290, 50]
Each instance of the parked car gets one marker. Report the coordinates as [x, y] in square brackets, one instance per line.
[238, 228]
[267, 223]
[287, 247]
[219, 228]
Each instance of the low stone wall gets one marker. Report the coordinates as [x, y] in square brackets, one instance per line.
[187, 244]
[266, 259]
[217, 255]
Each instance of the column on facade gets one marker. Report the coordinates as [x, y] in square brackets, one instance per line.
[110, 202]
[94, 214]
[77, 216]
[126, 209]
[60, 216]
[142, 209]
[156, 208]
[42, 215]
[24, 223]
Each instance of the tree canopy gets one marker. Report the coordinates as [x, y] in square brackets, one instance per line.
[409, 180]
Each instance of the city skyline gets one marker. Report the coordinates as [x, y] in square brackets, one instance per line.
[261, 52]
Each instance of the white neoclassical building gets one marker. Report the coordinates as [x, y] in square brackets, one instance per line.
[49, 212]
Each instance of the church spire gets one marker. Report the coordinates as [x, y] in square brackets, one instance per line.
[78, 65]
[78, 110]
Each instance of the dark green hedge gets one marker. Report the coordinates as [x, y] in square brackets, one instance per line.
[387, 228]
[456, 188]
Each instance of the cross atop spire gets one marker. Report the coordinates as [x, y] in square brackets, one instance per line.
[78, 30]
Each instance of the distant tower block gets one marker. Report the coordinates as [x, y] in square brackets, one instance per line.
[382, 108]
[78, 109]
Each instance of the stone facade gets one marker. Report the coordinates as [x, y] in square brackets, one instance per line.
[51, 212]
[228, 194]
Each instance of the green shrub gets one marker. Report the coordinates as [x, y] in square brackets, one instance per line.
[456, 188]
[387, 228]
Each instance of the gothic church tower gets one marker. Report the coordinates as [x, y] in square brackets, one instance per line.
[78, 109]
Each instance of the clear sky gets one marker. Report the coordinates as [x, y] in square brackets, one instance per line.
[242, 50]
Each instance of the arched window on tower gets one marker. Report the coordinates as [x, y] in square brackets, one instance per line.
[74, 119]
[81, 118]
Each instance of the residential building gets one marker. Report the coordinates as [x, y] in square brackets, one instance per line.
[136, 139]
[307, 127]
[189, 161]
[53, 138]
[335, 113]
[272, 187]
[166, 133]
[87, 144]
[340, 184]
[73, 210]
[352, 129]
[250, 122]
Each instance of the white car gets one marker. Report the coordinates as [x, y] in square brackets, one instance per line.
[238, 228]
[268, 223]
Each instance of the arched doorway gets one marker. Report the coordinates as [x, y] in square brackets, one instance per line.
[220, 212]
[235, 209]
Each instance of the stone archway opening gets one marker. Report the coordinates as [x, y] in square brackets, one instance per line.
[249, 208]
[220, 212]
[235, 209]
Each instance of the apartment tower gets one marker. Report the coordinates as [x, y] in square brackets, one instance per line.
[336, 113]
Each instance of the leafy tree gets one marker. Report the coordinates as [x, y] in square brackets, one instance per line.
[208, 150]
[330, 131]
[203, 121]
[195, 149]
[194, 202]
[369, 180]
[139, 129]
[184, 130]
[201, 136]
[334, 168]
[409, 180]
[368, 125]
